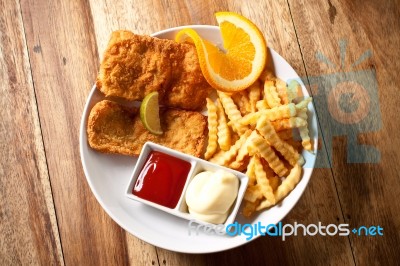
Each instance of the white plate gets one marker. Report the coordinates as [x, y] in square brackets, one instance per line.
[108, 176]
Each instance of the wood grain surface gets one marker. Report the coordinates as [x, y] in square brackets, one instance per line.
[367, 191]
[28, 227]
[49, 57]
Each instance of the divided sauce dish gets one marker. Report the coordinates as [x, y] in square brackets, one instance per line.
[197, 166]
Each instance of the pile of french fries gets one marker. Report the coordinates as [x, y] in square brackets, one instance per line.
[254, 131]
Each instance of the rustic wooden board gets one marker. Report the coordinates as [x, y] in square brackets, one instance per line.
[28, 225]
[347, 53]
[64, 59]
[367, 178]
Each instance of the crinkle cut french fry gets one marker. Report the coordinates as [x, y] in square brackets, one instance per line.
[242, 102]
[227, 156]
[270, 94]
[239, 165]
[212, 129]
[304, 133]
[304, 103]
[282, 91]
[251, 118]
[262, 180]
[288, 123]
[254, 95]
[281, 112]
[289, 183]
[224, 133]
[276, 113]
[250, 172]
[293, 89]
[306, 141]
[232, 112]
[260, 145]
[266, 130]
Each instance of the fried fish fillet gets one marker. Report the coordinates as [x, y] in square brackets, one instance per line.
[135, 65]
[113, 128]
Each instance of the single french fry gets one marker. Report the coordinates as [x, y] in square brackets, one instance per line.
[254, 95]
[289, 183]
[212, 129]
[282, 91]
[260, 145]
[224, 133]
[262, 180]
[276, 113]
[293, 89]
[304, 103]
[239, 166]
[242, 102]
[250, 172]
[288, 123]
[266, 130]
[304, 133]
[227, 156]
[270, 94]
[232, 112]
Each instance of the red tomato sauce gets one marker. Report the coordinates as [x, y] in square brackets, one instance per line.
[162, 179]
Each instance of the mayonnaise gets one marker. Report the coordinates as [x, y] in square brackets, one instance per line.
[210, 195]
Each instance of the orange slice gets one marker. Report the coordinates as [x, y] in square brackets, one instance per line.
[244, 57]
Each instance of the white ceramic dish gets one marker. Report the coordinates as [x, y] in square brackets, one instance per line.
[197, 166]
[108, 175]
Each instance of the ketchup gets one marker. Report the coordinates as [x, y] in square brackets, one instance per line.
[162, 179]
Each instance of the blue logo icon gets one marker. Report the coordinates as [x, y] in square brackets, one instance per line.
[347, 104]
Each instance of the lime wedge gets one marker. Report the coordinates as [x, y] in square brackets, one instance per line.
[149, 113]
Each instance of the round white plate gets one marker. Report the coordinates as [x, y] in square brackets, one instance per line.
[108, 177]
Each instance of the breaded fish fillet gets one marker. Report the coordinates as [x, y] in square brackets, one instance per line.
[135, 65]
[113, 128]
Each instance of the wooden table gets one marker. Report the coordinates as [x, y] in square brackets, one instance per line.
[49, 57]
